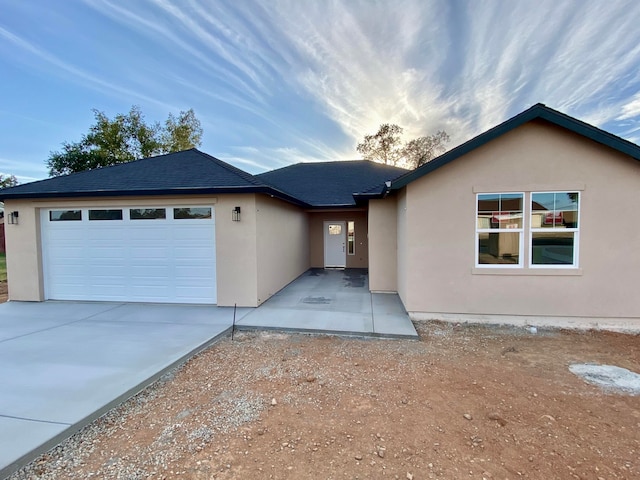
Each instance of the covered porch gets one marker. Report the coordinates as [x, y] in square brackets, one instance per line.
[332, 301]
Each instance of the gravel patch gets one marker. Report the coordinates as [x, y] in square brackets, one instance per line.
[609, 377]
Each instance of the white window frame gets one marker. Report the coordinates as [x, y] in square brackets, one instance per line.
[520, 230]
[575, 231]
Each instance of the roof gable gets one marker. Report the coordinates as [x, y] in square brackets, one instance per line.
[538, 111]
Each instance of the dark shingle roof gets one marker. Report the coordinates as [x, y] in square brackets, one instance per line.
[331, 184]
[537, 112]
[189, 171]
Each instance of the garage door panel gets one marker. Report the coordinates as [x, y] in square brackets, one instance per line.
[149, 252]
[71, 258]
[150, 271]
[122, 260]
[192, 292]
[194, 251]
[69, 271]
[107, 271]
[196, 272]
[104, 235]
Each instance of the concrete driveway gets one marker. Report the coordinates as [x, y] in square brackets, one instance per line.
[63, 364]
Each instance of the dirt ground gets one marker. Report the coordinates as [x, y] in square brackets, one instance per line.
[462, 402]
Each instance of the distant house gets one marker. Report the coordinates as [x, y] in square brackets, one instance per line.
[531, 222]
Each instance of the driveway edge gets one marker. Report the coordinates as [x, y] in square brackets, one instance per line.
[76, 427]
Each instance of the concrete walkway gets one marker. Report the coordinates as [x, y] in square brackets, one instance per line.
[63, 364]
[332, 301]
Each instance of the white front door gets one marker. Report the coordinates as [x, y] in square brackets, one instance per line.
[335, 236]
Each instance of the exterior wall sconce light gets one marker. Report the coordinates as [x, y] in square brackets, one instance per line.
[235, 214]
[13, 218]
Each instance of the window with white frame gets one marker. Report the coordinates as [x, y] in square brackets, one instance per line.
[499, 229]
[554, 229]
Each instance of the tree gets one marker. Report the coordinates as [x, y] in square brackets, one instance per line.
[386, 147]
[383, 146]
[7, 181]
[181, 133]
[124, 138]
[419, 151]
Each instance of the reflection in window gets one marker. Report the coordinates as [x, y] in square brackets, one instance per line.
[105, 214]
[552, 248]
[147, 213]
[65, 215]
[351, 238]
[499, 228]
[335, 229]
[554, 228]
[192, 212]
[499, 248]
[500, 210]
[554, 210]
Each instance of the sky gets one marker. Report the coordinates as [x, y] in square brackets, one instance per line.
[279, 82]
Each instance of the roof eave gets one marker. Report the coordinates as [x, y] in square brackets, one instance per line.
[157, 192]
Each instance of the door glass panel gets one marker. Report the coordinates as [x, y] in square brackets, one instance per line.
[335, 229]
[147, 214]
[191, 212]
[351, 238]
[105, 214]
[65, 215]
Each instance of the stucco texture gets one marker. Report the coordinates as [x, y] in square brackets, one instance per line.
[241, 247]
[436, 230]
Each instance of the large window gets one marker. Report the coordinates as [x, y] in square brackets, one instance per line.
[554, 229]
[499, 229]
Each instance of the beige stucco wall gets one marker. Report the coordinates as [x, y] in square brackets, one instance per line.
[282, 247]
[383, 245]
[436, 255]
[402, 244]
[24, 260]
[236, 252]
[316, 236]
[236, 259]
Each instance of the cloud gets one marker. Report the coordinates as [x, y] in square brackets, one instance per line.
[424, 65]
[76, 74]
[279, 81]
[631, 108]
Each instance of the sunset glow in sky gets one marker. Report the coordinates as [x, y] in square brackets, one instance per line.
[277, 82]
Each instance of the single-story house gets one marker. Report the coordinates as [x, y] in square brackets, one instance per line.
[535, 221]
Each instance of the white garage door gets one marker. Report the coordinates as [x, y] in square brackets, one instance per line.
[132, 254]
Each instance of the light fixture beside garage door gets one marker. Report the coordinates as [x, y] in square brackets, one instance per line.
[235, 214]
[13, 218]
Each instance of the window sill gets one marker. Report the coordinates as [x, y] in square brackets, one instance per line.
[532, 272]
